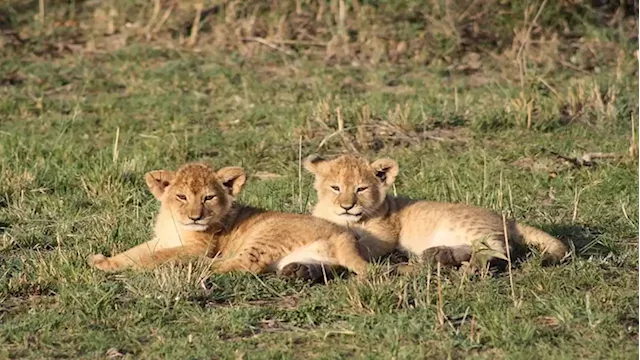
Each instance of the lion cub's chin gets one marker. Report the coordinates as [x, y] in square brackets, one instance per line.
[195, 227]
[345, 218]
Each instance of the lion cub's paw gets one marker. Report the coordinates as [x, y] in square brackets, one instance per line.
[100, 262]
[299, 271]
[446, 256]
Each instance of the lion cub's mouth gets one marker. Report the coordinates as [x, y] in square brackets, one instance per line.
[195, 226]
[351, 217]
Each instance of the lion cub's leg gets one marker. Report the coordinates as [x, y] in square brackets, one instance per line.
[323, 259]
[450, 256]
[235, 263]
[132, 258]
[146, 256]
[345, 252]
[254, 258]
[486, 245]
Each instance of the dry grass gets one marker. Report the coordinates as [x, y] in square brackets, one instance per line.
[527, 38]
[528, 108]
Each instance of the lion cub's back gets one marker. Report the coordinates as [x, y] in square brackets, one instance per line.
[430, 224]
[298, 228]
[295, 238]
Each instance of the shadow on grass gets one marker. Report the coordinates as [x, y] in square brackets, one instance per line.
[585, 239]
[4, 226]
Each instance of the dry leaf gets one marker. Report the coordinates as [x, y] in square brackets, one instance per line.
[547, 321]
[113, 353]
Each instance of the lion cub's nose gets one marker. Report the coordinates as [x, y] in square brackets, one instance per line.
[347, 207]
[196, 217]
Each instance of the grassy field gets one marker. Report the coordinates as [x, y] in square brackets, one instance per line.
[490, 103]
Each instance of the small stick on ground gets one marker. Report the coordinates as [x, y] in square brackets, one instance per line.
[587, 159]
[268, 43]
[293, 42]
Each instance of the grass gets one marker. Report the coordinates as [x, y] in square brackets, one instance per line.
[79, 128]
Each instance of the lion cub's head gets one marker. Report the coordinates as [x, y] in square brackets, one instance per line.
[196, 196]
[350, 188]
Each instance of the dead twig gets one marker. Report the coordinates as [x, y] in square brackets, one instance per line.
[587, 159]
[299, 43]
[268, 43]
[164, 18]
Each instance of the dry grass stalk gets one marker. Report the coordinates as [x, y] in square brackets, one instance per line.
[525, 39]
[298, 7]
[521, 59]
[41, 11]
[164, 18]
[340, 120]
[115, 146]
[322, 7]
[506, 242]
[342, 17]
[300, 173]
[440, 311]
[193, 37]
[429, 286]
[157, 6]
[633, 148]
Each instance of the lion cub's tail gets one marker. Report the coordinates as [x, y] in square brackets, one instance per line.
[553, 249]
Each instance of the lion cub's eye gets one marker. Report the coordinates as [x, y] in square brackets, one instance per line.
[361, 189]
[181, 197]
[335, 188]
[209, 197]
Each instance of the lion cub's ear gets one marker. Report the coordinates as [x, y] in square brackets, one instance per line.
[158, 180]
[232, 178]
[315, 164]
[386, 170]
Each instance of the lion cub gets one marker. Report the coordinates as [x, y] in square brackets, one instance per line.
[198, 217]
[352, 192]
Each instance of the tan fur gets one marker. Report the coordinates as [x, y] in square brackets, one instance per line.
[198, 217]
[352, 192]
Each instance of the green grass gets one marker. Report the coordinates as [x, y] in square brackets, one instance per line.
[79, 130]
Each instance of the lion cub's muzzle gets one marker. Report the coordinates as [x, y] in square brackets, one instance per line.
[350, 213]
[198, 224]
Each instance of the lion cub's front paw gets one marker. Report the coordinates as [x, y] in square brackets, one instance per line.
[447, 256]
[306, 272]
[297, 271]
[100, 262]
